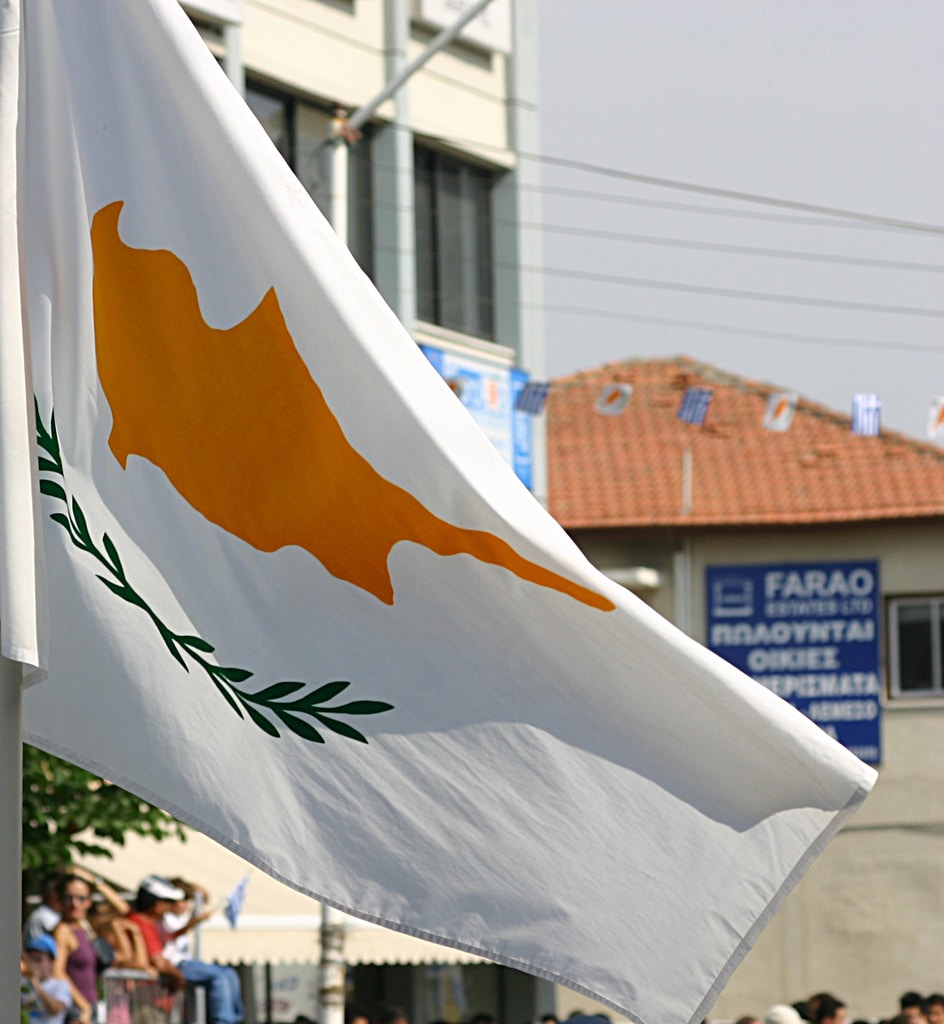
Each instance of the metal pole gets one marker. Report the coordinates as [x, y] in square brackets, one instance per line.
[441, 41]
[333, 973]
[11, 814]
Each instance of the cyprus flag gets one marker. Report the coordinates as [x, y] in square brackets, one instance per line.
[299, 601]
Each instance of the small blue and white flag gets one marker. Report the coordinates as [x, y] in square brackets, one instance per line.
[866, 415]
[235, 900]
[694, 407]
[613, 399]
[533, 396]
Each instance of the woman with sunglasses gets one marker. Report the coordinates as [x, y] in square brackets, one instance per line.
[76, 961]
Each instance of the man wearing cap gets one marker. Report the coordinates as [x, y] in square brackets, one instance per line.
[156, 896]
[45, 998]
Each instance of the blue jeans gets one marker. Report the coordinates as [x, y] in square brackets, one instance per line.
[224, 999]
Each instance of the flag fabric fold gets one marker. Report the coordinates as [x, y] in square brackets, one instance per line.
[299, 601]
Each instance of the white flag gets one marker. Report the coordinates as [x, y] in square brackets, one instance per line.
[337, 634]
[936, 418]
[779, 413]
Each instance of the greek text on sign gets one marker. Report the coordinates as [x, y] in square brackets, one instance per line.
[809, 632]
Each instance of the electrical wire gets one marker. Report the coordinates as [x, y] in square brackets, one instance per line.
[750, 332]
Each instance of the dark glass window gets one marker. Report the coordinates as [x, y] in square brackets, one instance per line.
[915, 646]
[298, 130]
[454, 266]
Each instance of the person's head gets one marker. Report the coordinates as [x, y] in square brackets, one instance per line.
[780, 1013]
[74, 895]
[391, 1015]
[48, 890]
[830, 1010]
[934, 1008]
[355, 1015]
[156, 896]
[40, 953]
[912, 1007]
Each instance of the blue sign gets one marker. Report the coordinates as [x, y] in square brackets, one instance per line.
[809, 632]
[489, 390]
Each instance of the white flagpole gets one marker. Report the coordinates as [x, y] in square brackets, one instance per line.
[11, 696]
[11, 814]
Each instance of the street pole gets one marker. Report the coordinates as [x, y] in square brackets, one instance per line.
[332, 985]
[11, 814]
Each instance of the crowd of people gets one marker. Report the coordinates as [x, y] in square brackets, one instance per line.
[826, 1008]
[83, 926]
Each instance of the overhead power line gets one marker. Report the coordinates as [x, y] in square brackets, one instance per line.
[740, 250]
[727, 193]
[735, 293]
[750, 332]
[711, 190]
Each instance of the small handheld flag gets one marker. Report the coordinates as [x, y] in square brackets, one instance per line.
[780, 408]
[533, 396]
[613, 399]
[694, 407]
[936, 418]
[866, 415]
[235, 901]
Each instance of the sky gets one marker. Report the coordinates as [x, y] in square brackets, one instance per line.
[837, 104]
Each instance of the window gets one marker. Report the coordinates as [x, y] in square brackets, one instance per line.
[454, 267]
[298, 130]
[915, 646]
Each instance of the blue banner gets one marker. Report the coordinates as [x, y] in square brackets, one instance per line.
[489, 391]
[809, 632]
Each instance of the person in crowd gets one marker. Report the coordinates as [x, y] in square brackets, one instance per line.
[829, 1010]
[123, 936]
[911, 1005]
[75, 960]
[392, 1015]
[802, 1007]
[155, 897]
[781, 1013]
[43, 920]
[355, 1015]
[46, 998]
[934, 1008]
[224, 992]
[748, 1019]
[548, 1018]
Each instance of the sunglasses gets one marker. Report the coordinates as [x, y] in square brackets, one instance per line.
[69, 898]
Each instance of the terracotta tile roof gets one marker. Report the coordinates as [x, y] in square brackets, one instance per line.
[627, 470]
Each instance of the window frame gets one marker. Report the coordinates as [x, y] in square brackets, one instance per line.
[935, 605]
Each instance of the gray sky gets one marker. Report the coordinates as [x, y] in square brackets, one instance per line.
[838, 103]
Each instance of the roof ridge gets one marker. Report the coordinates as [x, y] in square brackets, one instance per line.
[715, 374]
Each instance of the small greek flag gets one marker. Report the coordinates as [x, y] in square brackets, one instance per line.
[533, 396]
[779, 414]
[694, 407]
[866, 415]
[235, 900]
[613, 398]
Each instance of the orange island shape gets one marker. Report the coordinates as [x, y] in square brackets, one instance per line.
[242, 431]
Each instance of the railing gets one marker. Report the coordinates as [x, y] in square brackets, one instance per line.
[133, 997]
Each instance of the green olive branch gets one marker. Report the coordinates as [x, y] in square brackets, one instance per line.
[296, 714]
